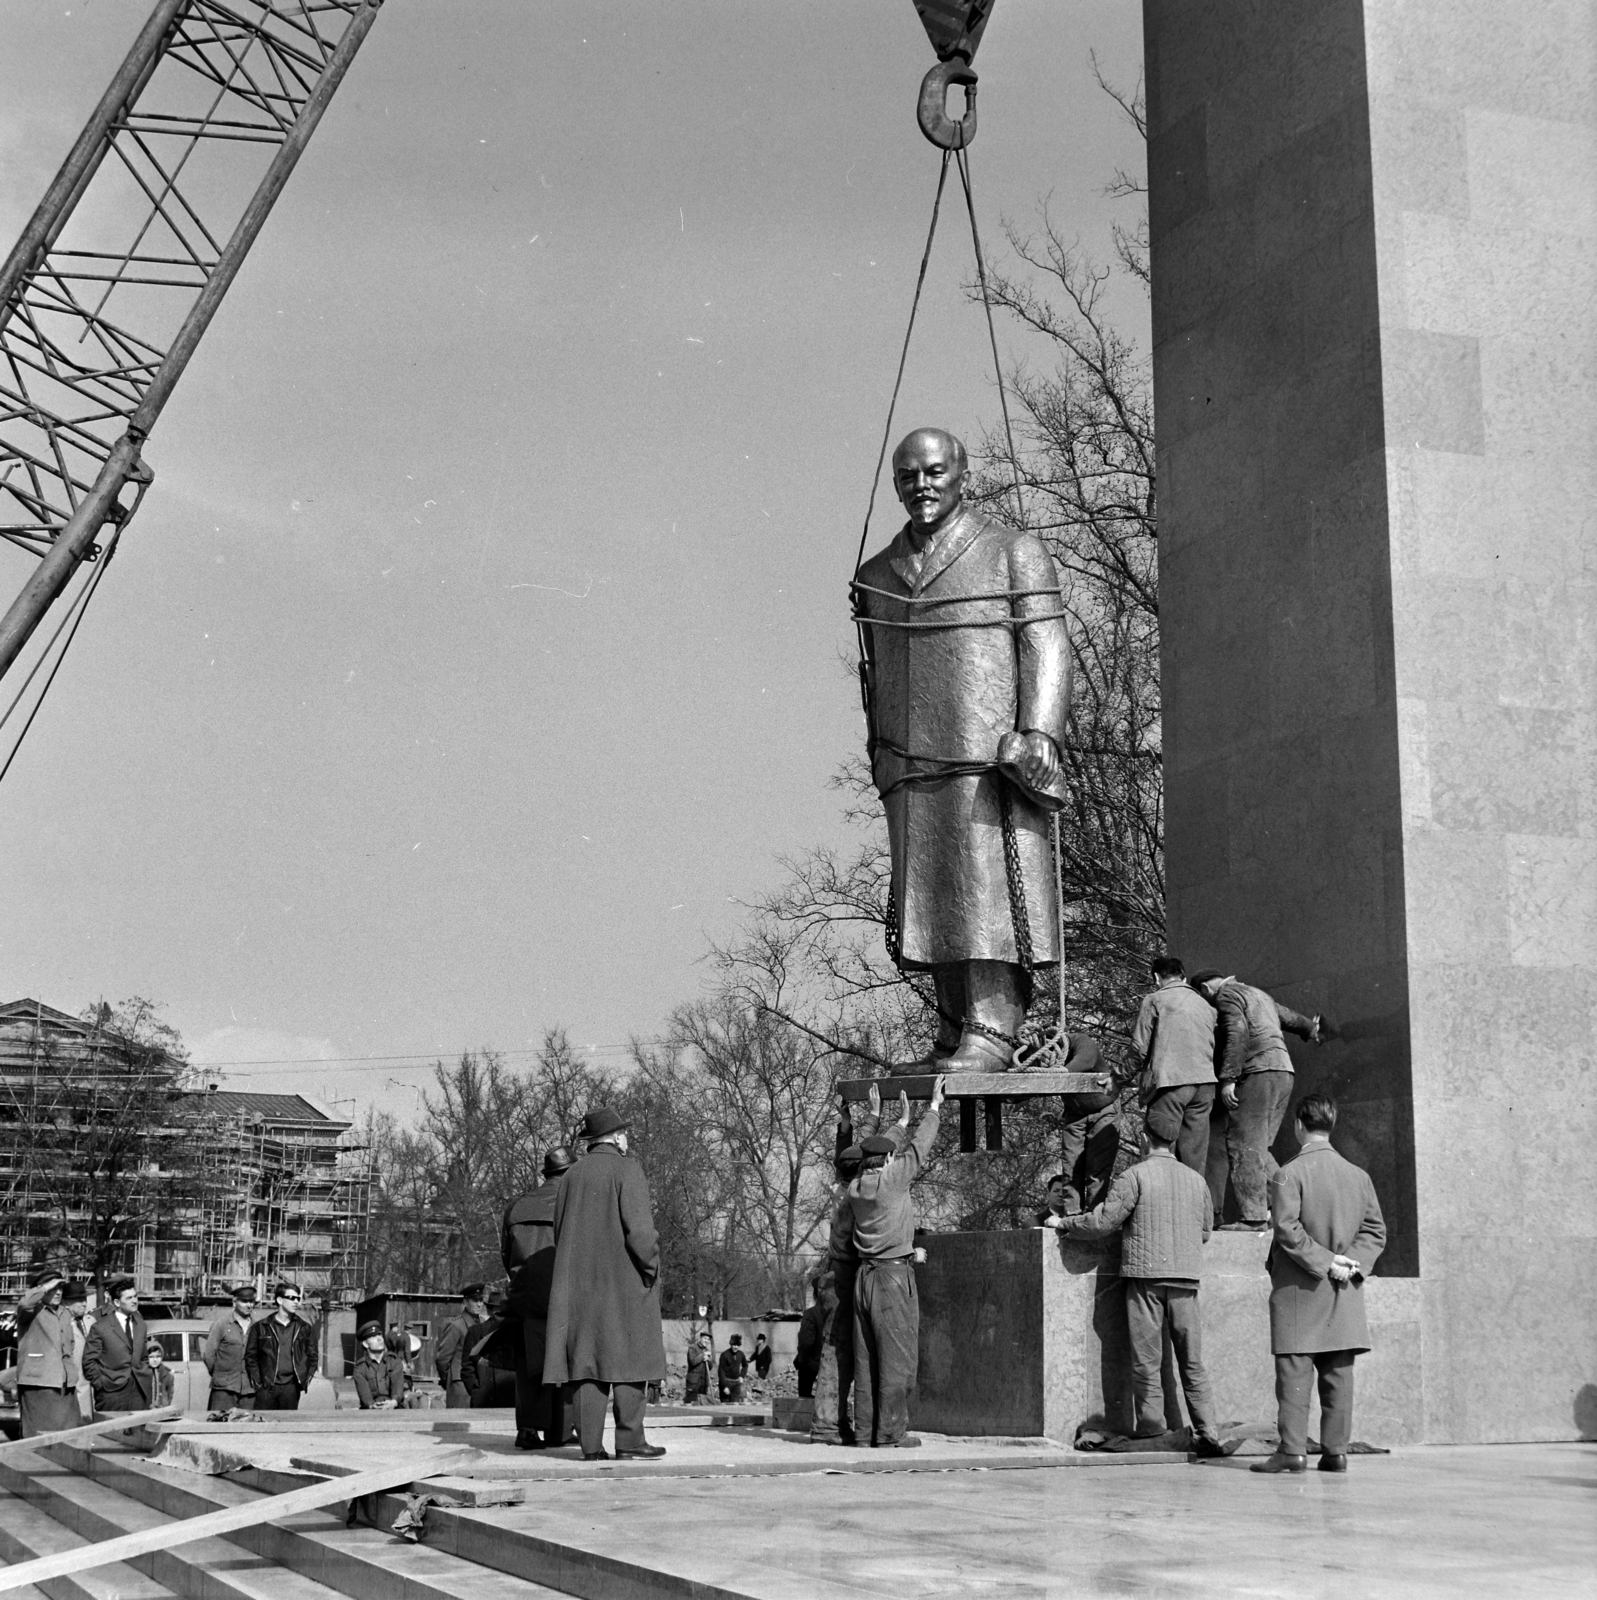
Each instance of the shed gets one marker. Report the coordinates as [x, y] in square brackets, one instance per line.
[421, 1314]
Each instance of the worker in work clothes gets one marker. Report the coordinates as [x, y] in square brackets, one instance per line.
[1174, 1036]
[1256, 1077]
[527, 1248]
[833, 1383]
[380, 1373]
[730, 1370]
[47, 1369]
[450, 1351]
[696, 1379]
[280, 1354]
[223, 1353]
[886, 1312]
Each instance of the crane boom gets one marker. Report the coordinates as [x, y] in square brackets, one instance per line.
[121, 268]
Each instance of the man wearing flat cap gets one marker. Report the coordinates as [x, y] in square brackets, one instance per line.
[604, 1335]
[527, 1248]
[223, 1354]
[47, 1368]
[449, 1354]
[380, 1373]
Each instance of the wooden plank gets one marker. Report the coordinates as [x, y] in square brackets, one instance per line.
[979, 1085]
[118, 1424]
[269, 1508]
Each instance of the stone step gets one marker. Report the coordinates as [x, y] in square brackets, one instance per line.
[26, 1532]
[362, 1562]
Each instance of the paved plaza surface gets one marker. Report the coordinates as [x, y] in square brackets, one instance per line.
[1498, 1520]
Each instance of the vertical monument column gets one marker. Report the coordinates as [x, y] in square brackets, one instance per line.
[1373, 290]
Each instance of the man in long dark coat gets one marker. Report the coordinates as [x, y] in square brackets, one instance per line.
[967, 674]
[604, 1333]
[527, 1248]
[1328, 1234]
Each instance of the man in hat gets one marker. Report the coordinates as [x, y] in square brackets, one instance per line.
[1256, 1078]
[967, 678]
[696, 1379]
[886, 1311]
[488, 1357]
[113, 1354]
[1163, 1207]
[604, 1300]
[527, 1248]
[830, 1419]
[223, 1354]
[47, 1368]
[449, 1353]
[380, 1372]
[730, 1371]
[1328, 1233]
[280, 1354]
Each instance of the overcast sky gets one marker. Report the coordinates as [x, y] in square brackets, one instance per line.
[480, 643]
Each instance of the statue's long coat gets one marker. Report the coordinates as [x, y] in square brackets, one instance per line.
[604, 1301]
[942, 697]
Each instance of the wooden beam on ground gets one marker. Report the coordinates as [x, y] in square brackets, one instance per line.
[213, 1524]
[118, 1424]
[979, 1085]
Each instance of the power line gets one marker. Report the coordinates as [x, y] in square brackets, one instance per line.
[397, 1063]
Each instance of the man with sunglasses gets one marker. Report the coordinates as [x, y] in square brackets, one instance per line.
[280, 1354]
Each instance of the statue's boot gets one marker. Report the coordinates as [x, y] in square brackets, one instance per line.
[950, 987]
[993, 998]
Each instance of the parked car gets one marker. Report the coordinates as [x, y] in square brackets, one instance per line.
[181, 1340]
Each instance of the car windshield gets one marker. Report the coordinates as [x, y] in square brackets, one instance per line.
[171, 1345]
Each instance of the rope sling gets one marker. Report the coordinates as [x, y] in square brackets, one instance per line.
[954, 139]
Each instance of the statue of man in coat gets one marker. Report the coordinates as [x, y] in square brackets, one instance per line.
[967, 681]
[604, 1336]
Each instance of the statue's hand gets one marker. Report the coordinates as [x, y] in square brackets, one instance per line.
[1040, 764]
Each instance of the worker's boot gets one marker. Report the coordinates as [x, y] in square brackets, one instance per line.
[993, 1006]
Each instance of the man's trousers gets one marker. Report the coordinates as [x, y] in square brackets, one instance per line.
[1149, 1307]
[277, 1397]
[1196, 1101]
[1250, 1130]
[1293, 1376]
[886, 1350]
[834, 1378]
[1090, 1143]
[627, 1400]
[538, 1404]
[230, 1400]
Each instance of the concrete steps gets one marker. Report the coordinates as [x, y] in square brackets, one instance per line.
[79, 1493]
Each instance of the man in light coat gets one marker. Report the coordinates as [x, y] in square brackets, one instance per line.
[604, 1334]
[967, 680]
[223, 1354]
[1328, 1234]
[75, 1303]
[114, 1354]
[47, 1368]
[1174, 1036]
[1163, 1206]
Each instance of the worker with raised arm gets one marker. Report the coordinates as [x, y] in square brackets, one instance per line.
[886, 1310]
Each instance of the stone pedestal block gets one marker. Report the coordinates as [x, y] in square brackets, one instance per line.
[1024, 1334]
[1374, 262]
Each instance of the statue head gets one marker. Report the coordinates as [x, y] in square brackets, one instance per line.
[929, 472]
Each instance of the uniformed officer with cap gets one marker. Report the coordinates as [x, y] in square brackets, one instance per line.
[380, 1373]
[449, 1352]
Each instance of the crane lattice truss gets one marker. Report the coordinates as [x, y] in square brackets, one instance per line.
[121, 268]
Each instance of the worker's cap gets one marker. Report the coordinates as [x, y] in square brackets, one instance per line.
[1164, 1118]
[851, 1157]
[243, 1291]
[878, 1145]
[556, 1161]
[75, 1294]
[119, 1286]
[471, 1291]
[46, 1275]
[369, 1330]
[602, 1122]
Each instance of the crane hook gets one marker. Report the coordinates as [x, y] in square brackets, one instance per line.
[932, 111]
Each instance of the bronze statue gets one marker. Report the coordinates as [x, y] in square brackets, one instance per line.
[967, 685]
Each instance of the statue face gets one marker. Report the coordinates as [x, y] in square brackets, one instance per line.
[929, 475]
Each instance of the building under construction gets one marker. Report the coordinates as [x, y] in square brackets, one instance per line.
[113, 1159]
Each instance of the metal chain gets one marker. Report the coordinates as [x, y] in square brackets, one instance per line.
[1017, 890]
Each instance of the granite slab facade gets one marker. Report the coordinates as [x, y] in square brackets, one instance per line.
[1024, 1334]
[1375, 376]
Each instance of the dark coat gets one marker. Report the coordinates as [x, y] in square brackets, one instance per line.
[949, 675]
[1321, 1205]
[732, 1365]
[112, 1361]
[260, 1351]
[604, 1301]
[527, 1247]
